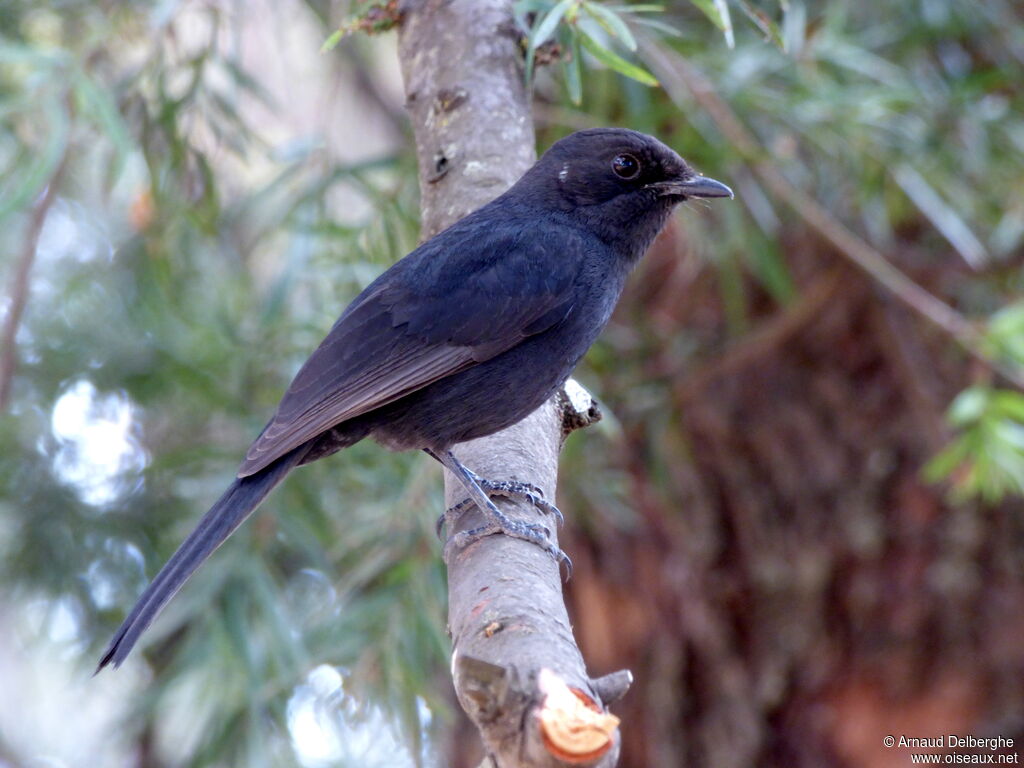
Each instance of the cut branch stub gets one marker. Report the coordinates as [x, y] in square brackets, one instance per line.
[575, 729]
[579, 408]
[564, 724]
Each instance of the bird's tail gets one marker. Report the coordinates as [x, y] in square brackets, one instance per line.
[231, 509]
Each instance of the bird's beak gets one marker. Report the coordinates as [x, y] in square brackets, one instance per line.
[693, 186]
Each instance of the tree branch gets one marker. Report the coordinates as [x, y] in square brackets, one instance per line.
[19, 284]
[772, 334]
[507, 617]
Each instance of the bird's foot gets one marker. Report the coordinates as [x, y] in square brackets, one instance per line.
[533, 532]
[510, 489]
[497, 521]
[515, 490]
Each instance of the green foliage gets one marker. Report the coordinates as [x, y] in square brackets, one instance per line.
[188, 266]
[579, 25]
[50, 89]
[1005, 335]
[885, 115]
[718, 12]
[764, 22]
[600, 27]
[986, 457]
[375, 19]
[191, 261]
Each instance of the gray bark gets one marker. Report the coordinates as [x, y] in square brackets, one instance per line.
[461, 60]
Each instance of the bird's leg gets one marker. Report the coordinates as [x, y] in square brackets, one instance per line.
[497, 521]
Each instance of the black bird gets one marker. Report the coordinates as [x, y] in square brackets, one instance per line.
[498, 308]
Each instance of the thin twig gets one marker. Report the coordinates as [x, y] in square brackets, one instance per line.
[679, 78]
[20, 283]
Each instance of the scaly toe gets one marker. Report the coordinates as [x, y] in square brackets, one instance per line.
[450, 515]
[528, 492]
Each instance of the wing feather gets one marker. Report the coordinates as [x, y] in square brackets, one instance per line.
[433, 314]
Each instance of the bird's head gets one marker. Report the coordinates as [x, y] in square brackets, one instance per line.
[622, 184]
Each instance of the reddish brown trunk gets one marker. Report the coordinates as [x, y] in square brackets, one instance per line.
[792, 591]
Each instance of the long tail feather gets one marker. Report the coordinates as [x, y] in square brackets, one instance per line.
[230, 511]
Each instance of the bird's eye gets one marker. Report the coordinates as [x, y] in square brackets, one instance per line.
[626, 166]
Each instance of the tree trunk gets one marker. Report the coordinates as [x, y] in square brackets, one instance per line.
[461, 61]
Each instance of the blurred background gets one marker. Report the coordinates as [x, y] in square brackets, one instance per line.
[799, 524]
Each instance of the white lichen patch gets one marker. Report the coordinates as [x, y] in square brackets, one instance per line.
[578, 397]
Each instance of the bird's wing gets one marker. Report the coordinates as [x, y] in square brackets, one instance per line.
[434, 314]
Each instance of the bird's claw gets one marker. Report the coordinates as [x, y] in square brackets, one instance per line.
[511, 489]
[533, 532]
[450, 515]
[526, 492]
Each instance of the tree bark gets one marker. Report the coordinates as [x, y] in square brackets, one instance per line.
[461, 61]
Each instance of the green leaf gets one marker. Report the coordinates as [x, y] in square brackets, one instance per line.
[99, 104]
[42, 167]
[573, 71]
[1009, 403]
[523, 7]
[16, 53]
[723, 11]
[542, 31]
[660, 26]
[252, 85]
[638, 8]
[763, 22]
[1005, 334]
[1010, 434]
[617, 63]
[710, 9]
[545, 27]
[986, 459]
[718, 12]
[612, 22]
[944, 463]
[969, 406]
[331, 42]
[1009, 319]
